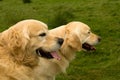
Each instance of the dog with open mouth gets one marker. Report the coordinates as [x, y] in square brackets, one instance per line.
[21, 46]
[77, 36]
[52, 48]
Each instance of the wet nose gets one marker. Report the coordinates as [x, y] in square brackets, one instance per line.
[60, 41]
[99, 39]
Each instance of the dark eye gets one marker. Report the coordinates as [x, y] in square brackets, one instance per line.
[42, 34]
[89, 32]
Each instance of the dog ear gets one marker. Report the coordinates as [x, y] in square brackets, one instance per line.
[16, 39]
[73, 41]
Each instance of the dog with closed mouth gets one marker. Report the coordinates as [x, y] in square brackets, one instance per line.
[21, 46]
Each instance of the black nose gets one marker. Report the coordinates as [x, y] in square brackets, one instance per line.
[60, 41]
[99, 39]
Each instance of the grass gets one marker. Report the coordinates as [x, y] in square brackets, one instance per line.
[26, 1]
[101, 15]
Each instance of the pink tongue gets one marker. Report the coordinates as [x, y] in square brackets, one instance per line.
[55, 55]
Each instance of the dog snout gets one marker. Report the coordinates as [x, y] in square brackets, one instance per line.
[99, 39]
[60, 41]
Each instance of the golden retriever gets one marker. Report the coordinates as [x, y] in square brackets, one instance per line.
[77, 36]
[21, 46]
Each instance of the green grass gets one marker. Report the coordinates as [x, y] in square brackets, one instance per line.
[103, 16]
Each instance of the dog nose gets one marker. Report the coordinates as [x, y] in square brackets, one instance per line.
[60, 41]
[99, 39]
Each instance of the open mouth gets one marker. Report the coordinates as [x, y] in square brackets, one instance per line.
[48, 55]
[88, 47]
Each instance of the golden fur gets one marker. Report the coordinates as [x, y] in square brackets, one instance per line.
[18, 45]
[75, 34]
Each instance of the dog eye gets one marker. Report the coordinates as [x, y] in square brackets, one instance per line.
[89, 32]
[42, 34]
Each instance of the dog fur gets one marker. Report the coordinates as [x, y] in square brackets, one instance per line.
[18, 45]
[75, 34]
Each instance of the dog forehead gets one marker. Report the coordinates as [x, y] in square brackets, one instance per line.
[37, 27]
[38, 30]
[83, 28]
[78, 26]
[31, 25]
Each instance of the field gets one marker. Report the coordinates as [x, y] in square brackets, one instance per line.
[103, 16]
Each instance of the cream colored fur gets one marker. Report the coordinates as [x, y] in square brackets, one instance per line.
[74, 34]
[18, 45]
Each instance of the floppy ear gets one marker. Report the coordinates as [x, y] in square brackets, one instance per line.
[73, 41]
[16, 39]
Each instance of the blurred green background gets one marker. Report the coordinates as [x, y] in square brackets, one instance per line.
[103, 16]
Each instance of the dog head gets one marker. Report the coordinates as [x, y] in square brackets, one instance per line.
[29, 39]
[84, 37]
